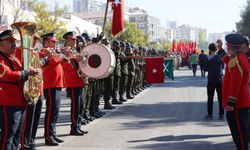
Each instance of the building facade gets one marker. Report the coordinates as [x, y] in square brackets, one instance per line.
[150, 25]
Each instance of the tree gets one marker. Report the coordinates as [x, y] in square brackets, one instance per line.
[49, 22]
[18, 12]
[243, 26]
[131, 34]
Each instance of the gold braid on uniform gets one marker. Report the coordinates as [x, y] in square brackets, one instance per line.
[232, 63]
[4, 71]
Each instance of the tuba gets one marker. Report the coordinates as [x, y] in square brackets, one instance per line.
[30, 58]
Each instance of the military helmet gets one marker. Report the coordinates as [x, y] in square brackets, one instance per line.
[128, 50]
[122, 44]
[105, 41]
[116, 43]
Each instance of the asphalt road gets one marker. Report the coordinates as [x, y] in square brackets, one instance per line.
[166, 116]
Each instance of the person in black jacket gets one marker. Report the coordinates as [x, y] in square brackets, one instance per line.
[214, 82]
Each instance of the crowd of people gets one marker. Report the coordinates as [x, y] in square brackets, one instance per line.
[60, 70]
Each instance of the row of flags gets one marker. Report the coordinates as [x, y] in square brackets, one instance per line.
[157, 68]
[183, 47]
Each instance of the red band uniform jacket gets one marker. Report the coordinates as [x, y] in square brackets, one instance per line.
[53, 73]
[11, 82]
[235, 83]
[71, 76]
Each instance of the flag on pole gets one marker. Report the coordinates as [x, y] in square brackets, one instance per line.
[169, 68]
[118, 22]
[154, 70]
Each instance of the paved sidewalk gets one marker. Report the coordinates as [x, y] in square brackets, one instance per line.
[166, 116]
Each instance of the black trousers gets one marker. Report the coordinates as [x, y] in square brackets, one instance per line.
[211, 87]
[31, 122]
[12, 122]
[202, 67]
[76, 98]
[53, 100]
[194, 68]
[238, 124]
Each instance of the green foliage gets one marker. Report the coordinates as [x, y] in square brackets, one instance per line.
[49, 22]
[130, 34]
[243, 26]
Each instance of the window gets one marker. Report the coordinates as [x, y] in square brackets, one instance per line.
[132, 19]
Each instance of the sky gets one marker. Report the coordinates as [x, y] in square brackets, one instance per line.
[214, 15]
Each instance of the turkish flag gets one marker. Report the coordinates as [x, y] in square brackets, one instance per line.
[154, 70]
[118, 22]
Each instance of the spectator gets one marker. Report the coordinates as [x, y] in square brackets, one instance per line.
[193, 59]
[202, 62]
[214, 82]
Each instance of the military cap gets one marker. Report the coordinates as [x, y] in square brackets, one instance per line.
[86, 36]
[51, 36]
[235, 39]
[6, 35]
[71, 34]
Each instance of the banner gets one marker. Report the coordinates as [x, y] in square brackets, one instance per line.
[169, 68]
[154, 70]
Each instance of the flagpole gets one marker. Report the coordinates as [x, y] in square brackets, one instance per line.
[105, 16]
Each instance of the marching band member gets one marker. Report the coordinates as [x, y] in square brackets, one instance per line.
[235, 96]
[12, 101]
[33, 112]
[53, 83]
[73, 82]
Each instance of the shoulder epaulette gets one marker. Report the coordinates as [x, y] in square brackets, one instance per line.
[234, 62]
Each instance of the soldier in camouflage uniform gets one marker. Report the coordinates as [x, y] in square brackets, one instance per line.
[124, 72]
[131, 72]
[135, 89]
[87, 89]
[96, 94]
[108, 86]
[117, 72]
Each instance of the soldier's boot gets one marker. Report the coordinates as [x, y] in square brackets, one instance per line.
[102, 113]
[138, 89]
[134, 93]
[116, 101]
[86, 116]
[122, 99]
[129, 96]
[107, 105]
[84, 121]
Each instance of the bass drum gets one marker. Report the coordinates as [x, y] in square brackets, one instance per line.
[100, 61]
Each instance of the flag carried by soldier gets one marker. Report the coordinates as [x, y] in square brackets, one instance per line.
[154, 70]
[117, 22]
[168, 68]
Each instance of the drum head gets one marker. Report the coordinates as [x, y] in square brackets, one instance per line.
[100, 61]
